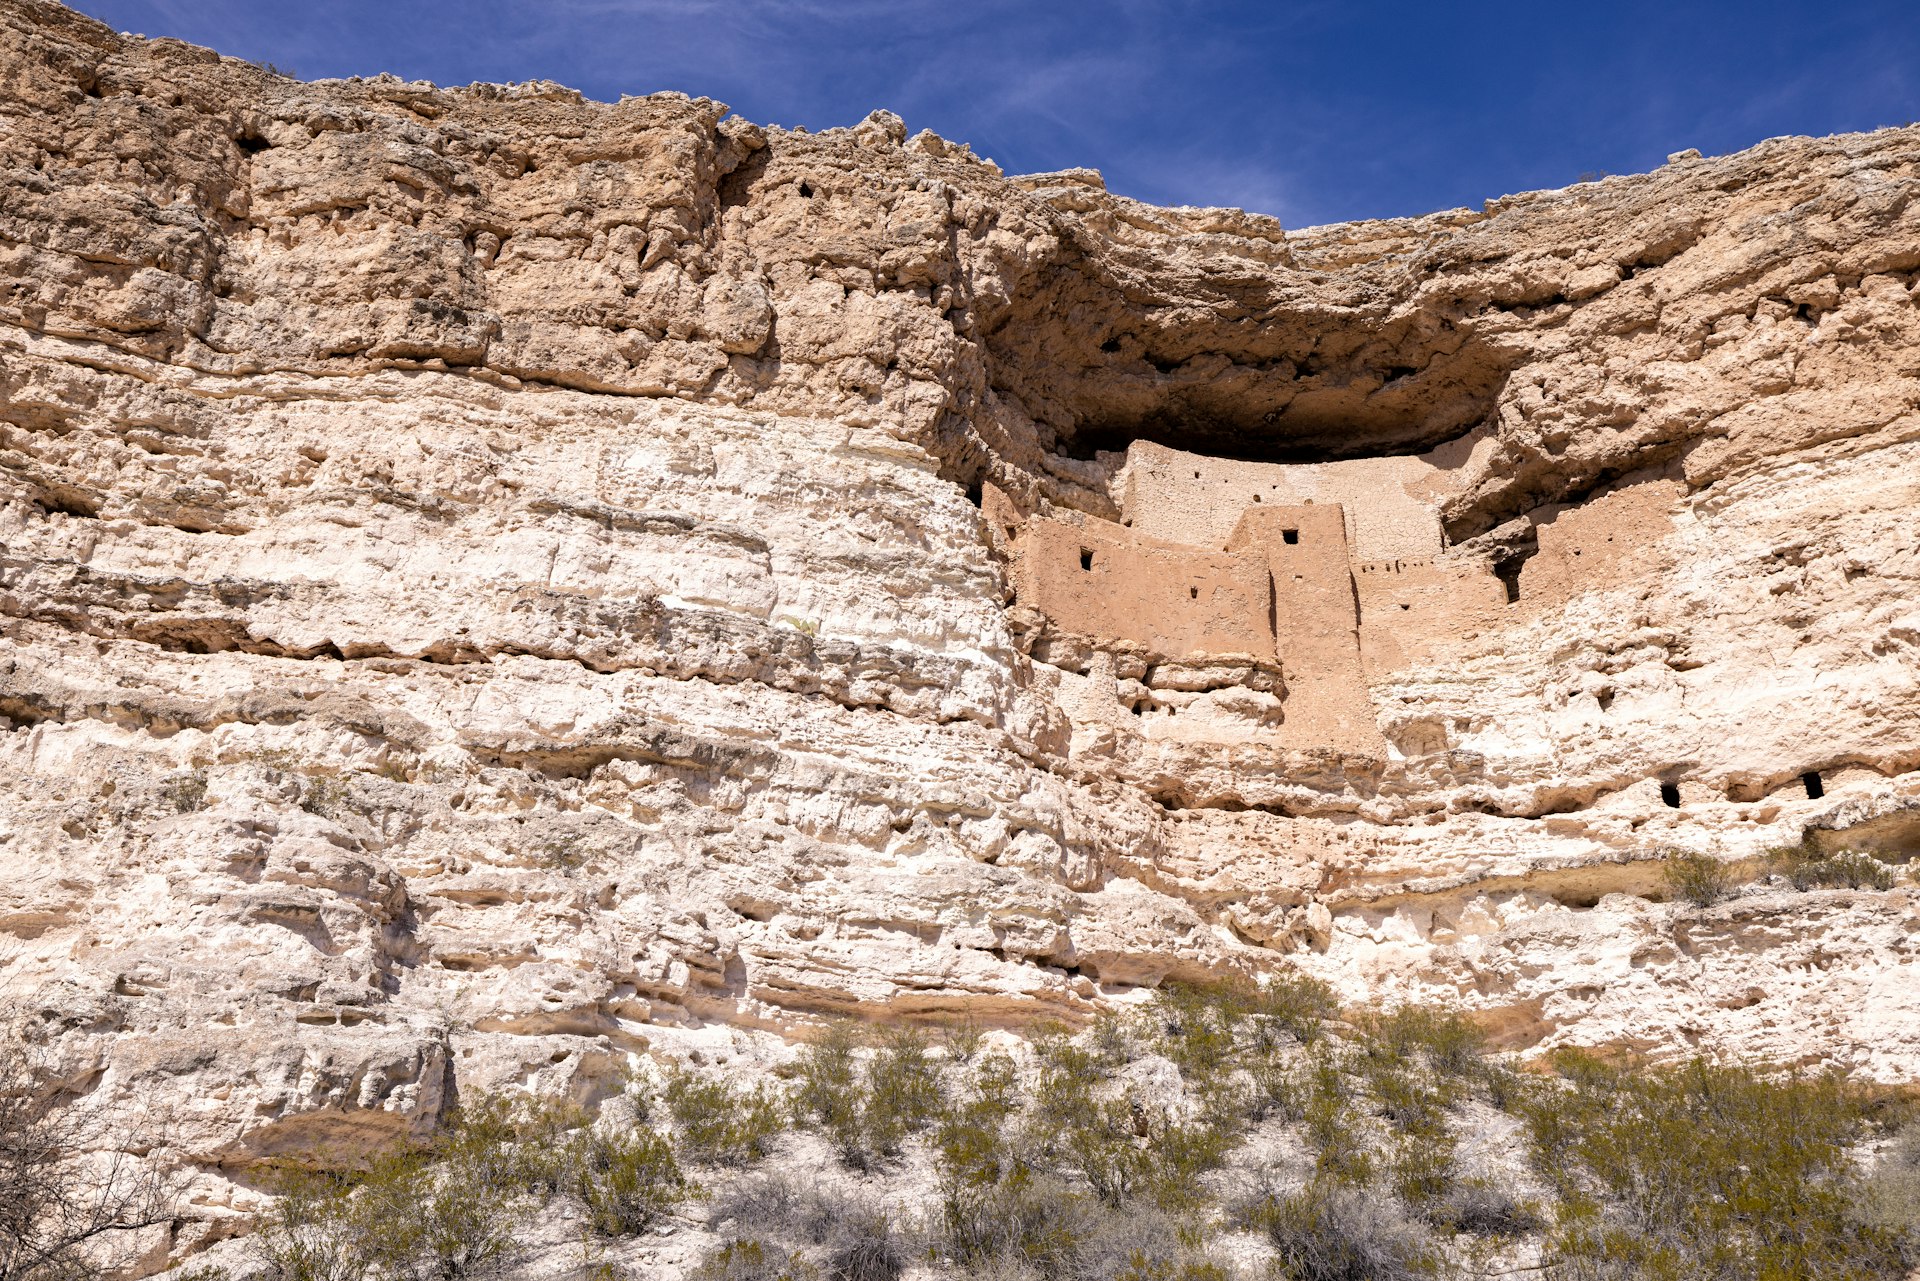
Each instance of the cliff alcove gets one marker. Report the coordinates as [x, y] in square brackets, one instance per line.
[493, 584]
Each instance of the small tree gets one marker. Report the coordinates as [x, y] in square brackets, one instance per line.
[67, 1202]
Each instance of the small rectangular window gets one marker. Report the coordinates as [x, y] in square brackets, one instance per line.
[1086, 559]
[1289, 536]
[1815, 788]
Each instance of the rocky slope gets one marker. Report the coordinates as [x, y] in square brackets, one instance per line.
[494, 582]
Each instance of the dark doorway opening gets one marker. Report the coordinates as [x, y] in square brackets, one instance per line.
[1815, 788]
[1670, 793]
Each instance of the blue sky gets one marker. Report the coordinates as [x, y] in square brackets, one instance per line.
[1314, 112]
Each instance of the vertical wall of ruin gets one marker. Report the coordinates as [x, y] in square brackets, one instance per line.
[1099, 579]
[1409, 609]
[1601, 543]
[1316, 611]
[1178, 497]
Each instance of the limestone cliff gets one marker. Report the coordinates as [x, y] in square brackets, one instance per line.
[491, 578]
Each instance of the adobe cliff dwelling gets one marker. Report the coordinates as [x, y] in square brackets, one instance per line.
[1289, 588]
[492, 581]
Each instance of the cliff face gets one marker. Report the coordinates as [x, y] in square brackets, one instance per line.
[491, 578]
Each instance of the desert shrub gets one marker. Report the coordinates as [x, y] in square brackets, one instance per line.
[1142, 1267]
[1447, 1041]
[749, 1259]
[719, 1123]
[1702, 1171]
[1296, 1004]
[1889, 1198]
[829, 1090]
[448, 1210]
[1111, 1040]
[902, 1091]
[863, 1246]
[1021, 1220]
[1199, 1026]
[1323, 1233]
[1806, 867]
[64, 1214]
[329, 798]
[312, 1233]
[1334, 1128]
[1138, 1244]
[447, 1213]
[868, 1111]
[186, 792]
[971, 1140]
[1235, 1043]
[1479, 1208]
[1700, 879]
[963, 1040]
[1177, 1155]
[1273, 1089]
[855, 1240]
[626, 1177]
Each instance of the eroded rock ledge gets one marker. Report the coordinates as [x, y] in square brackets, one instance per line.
[488, 576]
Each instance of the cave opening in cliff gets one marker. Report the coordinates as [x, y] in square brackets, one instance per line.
[1670, 795]
[1508, 572]
[1263, 440]
[1812, 782]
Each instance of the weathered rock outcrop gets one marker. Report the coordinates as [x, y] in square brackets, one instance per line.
[491, 577]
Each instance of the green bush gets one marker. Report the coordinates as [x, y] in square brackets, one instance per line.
[829, 1094]
[1700, 879]
[1702, 1171]
[452, 1209]
[1334, 1128]
[868, 1110]
[1448, 1042]
[719, 1123]
[626, 1178]
[1806, 867]
[1121, 1147]
[1199, 1026]
[1021, 1220]
[311, 1233]
[903, 1093]
[1296, 1004]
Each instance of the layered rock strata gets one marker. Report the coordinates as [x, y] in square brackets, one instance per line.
[493, 579]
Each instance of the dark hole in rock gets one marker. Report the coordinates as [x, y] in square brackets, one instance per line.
[1508, 572]
[1086, 559]
[1290, 536]
[1815, 788]
[1670, 794]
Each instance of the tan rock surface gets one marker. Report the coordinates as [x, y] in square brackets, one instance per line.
[492, 580]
